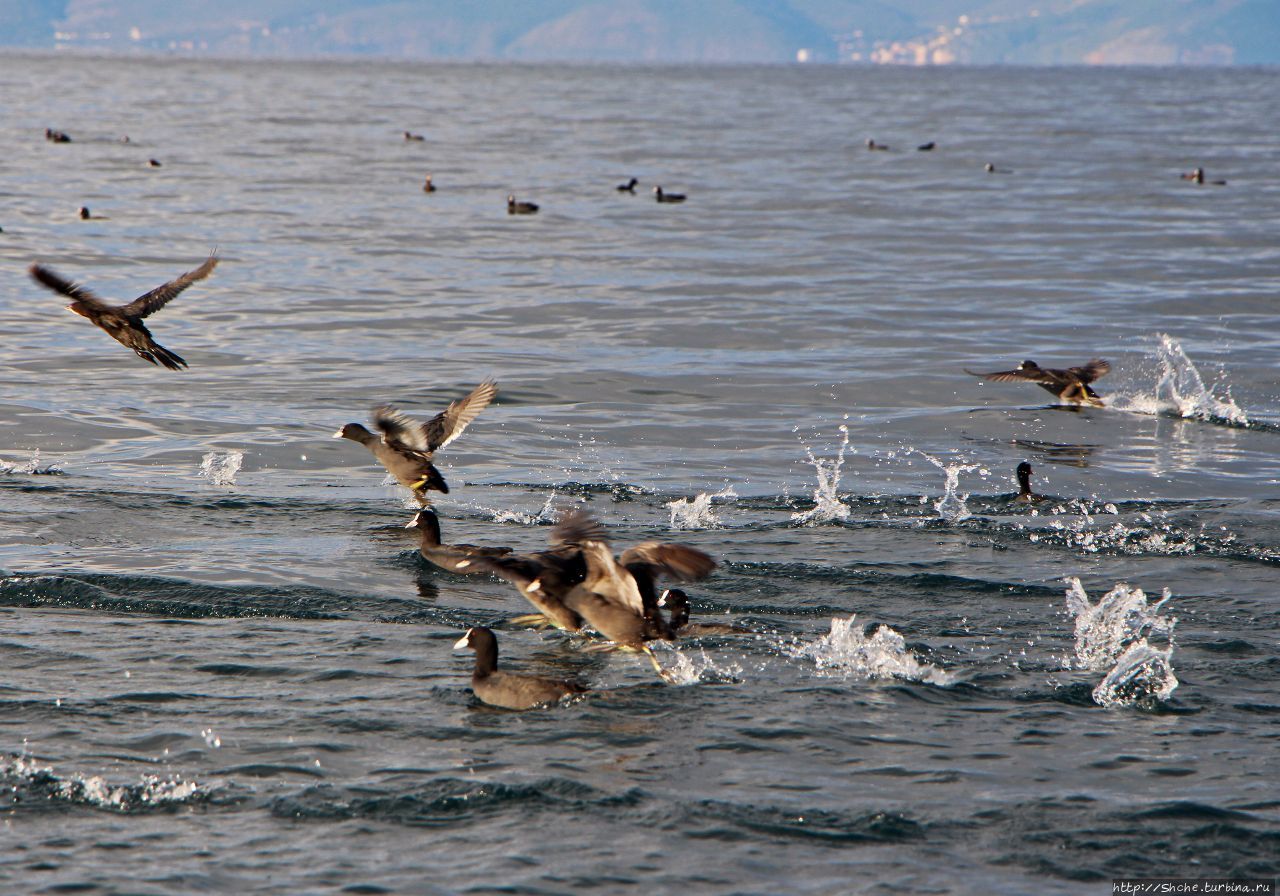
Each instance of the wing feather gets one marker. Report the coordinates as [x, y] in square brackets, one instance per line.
[399, 431]
[153, 301]
[47, 277]
[447, 425]
[677, 561]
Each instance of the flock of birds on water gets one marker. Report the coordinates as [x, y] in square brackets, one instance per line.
[578, 582]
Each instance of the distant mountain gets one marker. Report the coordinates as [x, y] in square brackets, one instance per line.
[1030, 32]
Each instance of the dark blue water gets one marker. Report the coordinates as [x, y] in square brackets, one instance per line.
[228, 670]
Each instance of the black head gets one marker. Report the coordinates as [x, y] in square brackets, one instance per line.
[1024, 474]
[676, 603]
[84, 213]
[484, 643]
[1028, 365]
[355, 432]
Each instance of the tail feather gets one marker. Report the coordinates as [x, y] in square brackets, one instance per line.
[168, 358]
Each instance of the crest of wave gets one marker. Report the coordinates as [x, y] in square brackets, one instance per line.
[827, 504]
[698, 513]
[221, 469]
[846, 650]
[1181, 389]
[1113, 635]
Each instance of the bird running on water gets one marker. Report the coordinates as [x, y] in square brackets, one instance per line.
[406, 447]
[1069, 384]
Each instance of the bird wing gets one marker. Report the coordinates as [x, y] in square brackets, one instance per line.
[518, 569]
[1039, 375]
[677, 561]
[607, 579]
[578, 526]
[46, 277]
[1095, 369]
[398, 431]
[447, 425]
[153, 301]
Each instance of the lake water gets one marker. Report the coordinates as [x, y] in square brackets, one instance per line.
[227, 670]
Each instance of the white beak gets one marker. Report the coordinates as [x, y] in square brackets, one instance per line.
[338, 434]
[535, 585]
[413, 522]
[662, 601]
[462, 642]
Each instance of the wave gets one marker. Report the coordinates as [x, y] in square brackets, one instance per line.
[27, 782]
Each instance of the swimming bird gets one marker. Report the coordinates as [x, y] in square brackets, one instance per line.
[457, 558]
[428, 186]
[628, 187]
[1198, 176]
[990, 168]
[871, 144]
[409, 136]
[509, 690]
[84, 213]
[1070, 384]
[1025, 494]
[153, 163]
[676, 603]
[56, 136]
[667, 197]
[407, 447]
[520, 208]
[926, 147]
[123, 323]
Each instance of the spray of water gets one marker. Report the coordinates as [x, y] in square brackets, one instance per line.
[151, 790]
[846, 651]
[698, 513]
[1180, 390]
[827, 506]
[951, 506]
[1113, 635]
[221, 469]
[31, 467]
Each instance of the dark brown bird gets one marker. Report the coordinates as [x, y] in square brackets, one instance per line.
[1025, 494]
[407, 447]
[123, 323]
[616, 596]
[871, 144]
[667, 197]
[56, 136]
[520, 208]
[1070, 385]
[628, 187]
[428, 186]
[544, 578]
[84, 213]
[509, 690]
[153, 163]
[676, 603]
[410, 136]
[1197, 175]
[459, 558]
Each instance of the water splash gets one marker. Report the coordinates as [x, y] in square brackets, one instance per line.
[546, 514]
[31, 467]
[221, 469]
[951, 506]
[22, 773]
[827, 505]
[1113, 635]
[698, 513]
[846, 651]
[1181, 390]
[693, 667]
[1143, 674]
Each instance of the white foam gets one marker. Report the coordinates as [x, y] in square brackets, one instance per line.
[30, 468]
[221, 469]
[883, 654]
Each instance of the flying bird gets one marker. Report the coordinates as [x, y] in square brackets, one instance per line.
[407, 447]
[123, 323]
[1070, 384]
